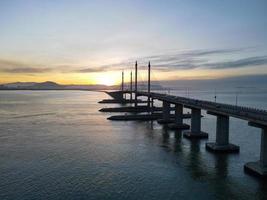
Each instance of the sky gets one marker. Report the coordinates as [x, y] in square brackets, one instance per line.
[92, 41]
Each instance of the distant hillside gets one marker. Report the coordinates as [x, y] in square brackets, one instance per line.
[32, 85]
[19, 84]
[49, 85]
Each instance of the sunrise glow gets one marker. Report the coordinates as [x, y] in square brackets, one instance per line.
[95, 51]
[106, 80]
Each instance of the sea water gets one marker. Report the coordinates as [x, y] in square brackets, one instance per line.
[57, 145]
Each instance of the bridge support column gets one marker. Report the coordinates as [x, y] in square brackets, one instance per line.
[135, 99]
[259, 168]
[152, 106]
[178, 119]
[195, 131]
[222, 136]
[166, 113]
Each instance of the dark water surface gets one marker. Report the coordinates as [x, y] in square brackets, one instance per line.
[56, 145]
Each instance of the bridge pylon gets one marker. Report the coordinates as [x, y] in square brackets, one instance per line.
[135, 86]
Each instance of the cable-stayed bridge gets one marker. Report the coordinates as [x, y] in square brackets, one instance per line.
[255, 117]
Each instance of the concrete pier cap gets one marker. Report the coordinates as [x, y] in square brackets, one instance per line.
[195, 132]
[259, 168]
[221, 145]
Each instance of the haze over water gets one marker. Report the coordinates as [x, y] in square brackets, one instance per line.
[56, 145]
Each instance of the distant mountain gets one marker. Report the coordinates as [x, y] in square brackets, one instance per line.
[19, 84]
[49, 85]
[32, 85]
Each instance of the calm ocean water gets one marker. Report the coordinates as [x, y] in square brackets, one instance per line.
[56, 145]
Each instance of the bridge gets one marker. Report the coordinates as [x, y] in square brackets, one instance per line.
[255, 117]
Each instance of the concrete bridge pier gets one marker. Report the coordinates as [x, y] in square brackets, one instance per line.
[135, 100]
[166, 113]
[195, 131]
[152, 106]
[222, 136]
[259, 168]
[178, 119]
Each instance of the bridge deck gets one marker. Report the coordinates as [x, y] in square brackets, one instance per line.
[255, 115]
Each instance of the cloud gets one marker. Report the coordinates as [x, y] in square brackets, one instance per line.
[11, 63]
[90, 70]
[188, 60]
[171, 61]
[191, 54]
[182, 60]
[15, 67]
[25, 70]
[109, 67]
[245, 62]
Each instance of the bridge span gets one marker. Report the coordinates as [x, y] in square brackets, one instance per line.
[255, 117]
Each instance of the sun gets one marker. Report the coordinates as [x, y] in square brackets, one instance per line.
[106, 80]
